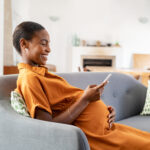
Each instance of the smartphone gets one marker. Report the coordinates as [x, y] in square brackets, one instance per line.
[104, 81]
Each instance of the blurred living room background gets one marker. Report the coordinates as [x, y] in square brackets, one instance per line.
[86, 35]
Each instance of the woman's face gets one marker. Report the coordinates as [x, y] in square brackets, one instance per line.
[38, 48]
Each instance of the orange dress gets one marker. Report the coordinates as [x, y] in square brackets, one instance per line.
[53, 94]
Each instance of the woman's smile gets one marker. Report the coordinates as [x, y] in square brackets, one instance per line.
[44, 56]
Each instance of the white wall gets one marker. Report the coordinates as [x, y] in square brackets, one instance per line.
[57, 29]
[1, 34]
[111, 21]
[8, 46]
[105, 20]
[20, 12]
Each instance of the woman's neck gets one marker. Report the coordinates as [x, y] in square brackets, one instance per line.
[30, 63]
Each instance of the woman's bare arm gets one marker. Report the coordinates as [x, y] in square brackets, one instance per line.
[67, 116]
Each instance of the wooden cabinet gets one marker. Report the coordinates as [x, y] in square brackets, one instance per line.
[11, 70]
[141, 61]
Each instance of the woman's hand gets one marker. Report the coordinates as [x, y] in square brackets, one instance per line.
[111, 116]
[93, 92]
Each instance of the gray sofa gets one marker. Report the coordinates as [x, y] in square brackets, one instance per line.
[17, 132]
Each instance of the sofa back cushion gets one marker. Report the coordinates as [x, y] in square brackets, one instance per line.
[7, 84]
[122, 92]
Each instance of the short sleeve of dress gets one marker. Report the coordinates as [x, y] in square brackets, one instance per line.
[34, 95]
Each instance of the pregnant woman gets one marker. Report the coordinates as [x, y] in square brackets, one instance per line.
[51, 98]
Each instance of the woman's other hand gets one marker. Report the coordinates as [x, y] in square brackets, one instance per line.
[111, 116]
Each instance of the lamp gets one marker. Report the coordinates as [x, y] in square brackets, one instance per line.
[143, 20]
[54, 18]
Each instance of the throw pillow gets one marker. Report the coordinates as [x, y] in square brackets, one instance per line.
[146, 109]
[18, 104]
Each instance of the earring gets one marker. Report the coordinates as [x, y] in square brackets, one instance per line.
[26, 50]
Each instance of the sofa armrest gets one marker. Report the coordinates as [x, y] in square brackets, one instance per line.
[19, 132]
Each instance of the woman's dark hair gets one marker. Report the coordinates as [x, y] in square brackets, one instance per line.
[25, 30]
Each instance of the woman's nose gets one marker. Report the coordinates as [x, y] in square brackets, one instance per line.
[48, 49]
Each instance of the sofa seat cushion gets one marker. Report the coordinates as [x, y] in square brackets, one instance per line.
[139, 122]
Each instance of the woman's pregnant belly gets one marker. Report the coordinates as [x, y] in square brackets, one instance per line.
[94, 119]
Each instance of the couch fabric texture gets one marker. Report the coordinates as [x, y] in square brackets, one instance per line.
[122, 92]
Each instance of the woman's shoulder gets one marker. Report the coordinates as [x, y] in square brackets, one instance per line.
[27, 77]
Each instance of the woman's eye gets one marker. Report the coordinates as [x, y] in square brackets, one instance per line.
[44, 44]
